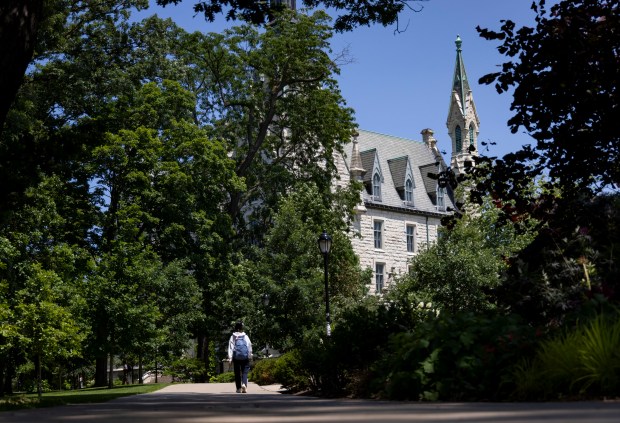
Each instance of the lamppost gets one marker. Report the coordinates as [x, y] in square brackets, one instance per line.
[265, 299]
[325, 245]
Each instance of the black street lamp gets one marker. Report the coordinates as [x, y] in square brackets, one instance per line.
[325, 245]
[265, 298]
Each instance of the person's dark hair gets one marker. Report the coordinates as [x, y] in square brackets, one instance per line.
[239, 326]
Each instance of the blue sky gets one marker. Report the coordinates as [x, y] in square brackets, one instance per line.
[400, 83]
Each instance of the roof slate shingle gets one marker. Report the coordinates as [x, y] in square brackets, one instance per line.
[393, 153]
[398, 169]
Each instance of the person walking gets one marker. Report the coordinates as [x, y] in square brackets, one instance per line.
[240, 353]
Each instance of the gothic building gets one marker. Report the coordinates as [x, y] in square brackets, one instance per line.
[400, 206]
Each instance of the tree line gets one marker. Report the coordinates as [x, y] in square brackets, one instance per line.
[156, 183]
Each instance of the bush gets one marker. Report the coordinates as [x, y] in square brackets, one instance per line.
[186, 369]
[226, 377]
[583, 361]
[30, 386]
[263, 371]
[288, 371]
[456, 357]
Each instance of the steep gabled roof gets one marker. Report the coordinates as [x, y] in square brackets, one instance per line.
[392, 155]
[398, 169]
[429, 184]
[368, 163]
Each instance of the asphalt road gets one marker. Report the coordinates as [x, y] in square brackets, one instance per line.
[194, 403]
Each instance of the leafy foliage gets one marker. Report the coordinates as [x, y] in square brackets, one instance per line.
[571, 64]
[384, 12]
[464, 356]
[566, 265]
[263, 371]
[583, 361]
[462, 270]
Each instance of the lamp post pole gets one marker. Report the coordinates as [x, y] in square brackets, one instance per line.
[325, 245]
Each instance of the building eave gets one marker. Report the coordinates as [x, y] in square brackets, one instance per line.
[405, 210]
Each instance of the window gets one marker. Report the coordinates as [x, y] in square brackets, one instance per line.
[457, 136]
[471, 134]
[410, 238]
[441, 192]
[379, 269]
[409, 191]
[378, 229]
[376, 187]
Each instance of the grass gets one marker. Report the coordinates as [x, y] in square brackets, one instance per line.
[87, 395]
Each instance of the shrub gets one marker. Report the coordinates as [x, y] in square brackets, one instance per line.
[463, 356]
[288, 371]
[186, 369]
[226, 377]
[584, 361]
[263, 371]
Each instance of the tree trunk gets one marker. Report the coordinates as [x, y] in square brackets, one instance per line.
[101, 358]
[37, 366]
[3, 372]
[140, 380]
[20, 21]
[111, 376]
[203, 355]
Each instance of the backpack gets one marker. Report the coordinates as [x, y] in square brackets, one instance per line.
[241, 348]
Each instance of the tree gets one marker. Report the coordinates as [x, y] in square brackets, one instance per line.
[289, 267]
[564, 72]
[465, 267]
[32, 28]
[565, 78]
[370, 12]
[271, 96]
[47, 330]
[35, 249]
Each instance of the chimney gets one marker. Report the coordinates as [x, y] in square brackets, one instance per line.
[429, 140]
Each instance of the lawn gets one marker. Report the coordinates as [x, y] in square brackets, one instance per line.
[88, 395]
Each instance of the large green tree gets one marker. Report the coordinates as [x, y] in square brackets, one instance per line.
[40, 273]
[564, 73]
[464, 268]
[289, 268]
[271, 96]
[33, 28]
[163, 146]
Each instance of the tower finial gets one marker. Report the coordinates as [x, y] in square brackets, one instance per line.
[458, 42]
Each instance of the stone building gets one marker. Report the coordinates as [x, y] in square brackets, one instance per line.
[401, 207]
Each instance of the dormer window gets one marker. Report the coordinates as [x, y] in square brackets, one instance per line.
[376, 187]
[471, 134]
[458, 139]
[409, 191]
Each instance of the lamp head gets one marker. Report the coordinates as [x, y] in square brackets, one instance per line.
[325, 243]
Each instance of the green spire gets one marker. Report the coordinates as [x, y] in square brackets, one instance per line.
[460, 84]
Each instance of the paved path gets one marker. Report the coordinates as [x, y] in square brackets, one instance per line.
[206, 403]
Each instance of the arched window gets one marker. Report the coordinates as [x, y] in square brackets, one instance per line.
[459, 140]
[471, 134]
[376, 187]
[409, 191]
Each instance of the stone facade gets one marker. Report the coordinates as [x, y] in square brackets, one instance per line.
[401, 207]
[391, 227]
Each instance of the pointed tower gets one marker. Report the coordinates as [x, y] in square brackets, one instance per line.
[463, 123]
[357, 171]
